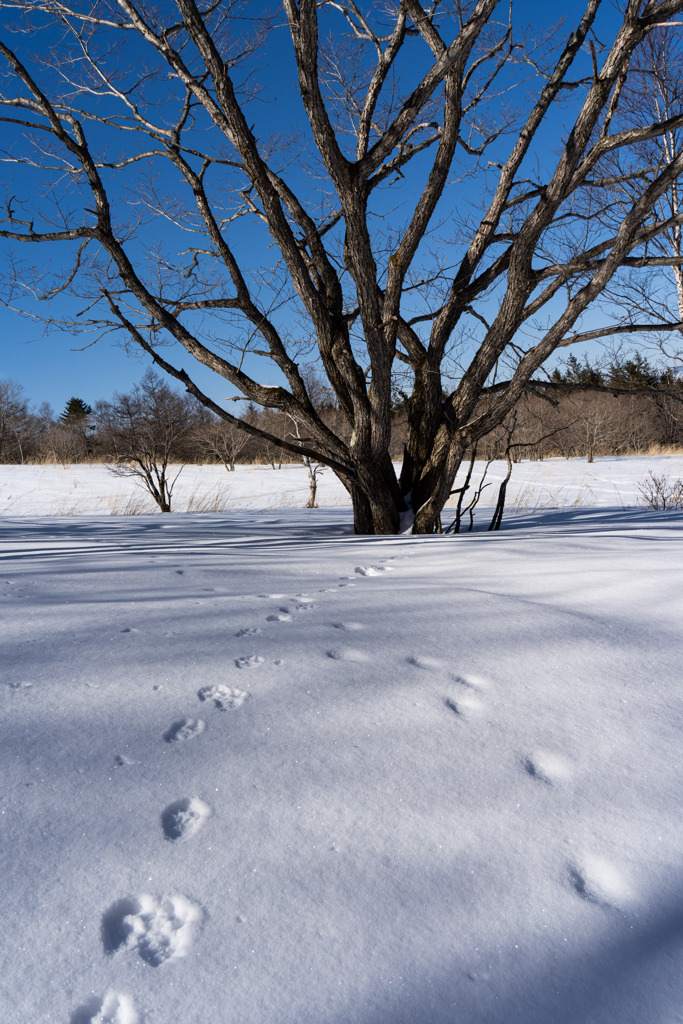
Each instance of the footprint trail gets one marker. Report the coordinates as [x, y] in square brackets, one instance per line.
[183, 818]
[347, 654]
[225, 698]
[156, 929]
[115, 1008]
[184, 729]
[249, 661]
[466, 706]
[599, 881]
[547, 767]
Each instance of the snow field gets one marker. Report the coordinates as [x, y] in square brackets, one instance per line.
[256, 769]
[91, 490]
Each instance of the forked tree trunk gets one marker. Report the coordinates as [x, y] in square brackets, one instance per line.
[379, 500]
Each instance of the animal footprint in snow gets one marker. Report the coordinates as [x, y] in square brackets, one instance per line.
[182, 818]
[349, 625]
[599, 881]
[281, 615]
[115, 1008]
[347, 654]
[184, 729]
[121, 761]
[156, 929]
[249, 660]
[248, 631]
[371, 570]
[547, 767]
[473, 682]
[224, 697]
[466, 706]
[424, 661]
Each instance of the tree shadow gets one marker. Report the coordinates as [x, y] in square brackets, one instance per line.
[632, 979]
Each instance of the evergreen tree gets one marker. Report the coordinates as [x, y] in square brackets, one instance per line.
[578, 373]
[635, 373]
[75, 412]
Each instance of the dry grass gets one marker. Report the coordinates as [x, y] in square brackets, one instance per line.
[136, 505]
[216, 500]
[538, 499]
[50, 459]
[7, 503]
[663, 449]
[288, 499]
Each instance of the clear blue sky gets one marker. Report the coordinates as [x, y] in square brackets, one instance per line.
[50, 370]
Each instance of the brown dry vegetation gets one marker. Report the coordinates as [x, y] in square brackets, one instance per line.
[581, 425]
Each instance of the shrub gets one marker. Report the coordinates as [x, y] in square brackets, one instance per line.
[661, 493]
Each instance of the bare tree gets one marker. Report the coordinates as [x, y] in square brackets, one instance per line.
[65, 444]
[142, 431]
[273, 430]
[221, 440]
[313, 469]
[15, 422]
[457, 224]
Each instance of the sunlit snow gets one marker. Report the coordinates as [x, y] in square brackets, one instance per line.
[257, 770]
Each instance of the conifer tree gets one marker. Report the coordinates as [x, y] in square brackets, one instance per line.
[75, 412]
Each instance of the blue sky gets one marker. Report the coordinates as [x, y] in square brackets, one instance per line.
[53, 366]
[50, 369]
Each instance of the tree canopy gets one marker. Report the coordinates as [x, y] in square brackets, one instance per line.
[426, 198]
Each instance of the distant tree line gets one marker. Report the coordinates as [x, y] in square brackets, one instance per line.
[582, 412]
[625, 407]
[151, 423]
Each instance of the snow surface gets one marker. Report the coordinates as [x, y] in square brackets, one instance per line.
[256, 770]
[535, 486]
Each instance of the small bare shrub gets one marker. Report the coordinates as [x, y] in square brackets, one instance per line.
[661, 493]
